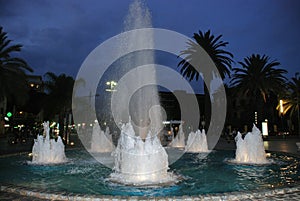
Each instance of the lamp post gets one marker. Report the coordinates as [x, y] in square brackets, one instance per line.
[112, 85]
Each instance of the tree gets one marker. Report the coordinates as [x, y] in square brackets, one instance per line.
[59, 98]
[193, 55]
[291, 100]
[258, 76]
[257, 79]
[13, 84]
[214, 47]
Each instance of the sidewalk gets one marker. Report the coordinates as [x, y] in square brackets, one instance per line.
[287, 145]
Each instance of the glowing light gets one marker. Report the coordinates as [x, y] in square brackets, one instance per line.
[281, 106]
[112, 85]
[52, 125]
[9, 114]
[255, 117]
[265, 128]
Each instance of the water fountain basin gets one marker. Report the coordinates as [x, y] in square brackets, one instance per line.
[203, 176]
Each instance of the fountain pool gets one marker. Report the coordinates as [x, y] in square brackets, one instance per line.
[201, 176]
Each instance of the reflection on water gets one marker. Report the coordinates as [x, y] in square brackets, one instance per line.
[282, 146]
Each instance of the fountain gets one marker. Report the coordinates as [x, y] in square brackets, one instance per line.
[140, 159]
[101, 141]
[197, 142]
[139, 162]
[179, 140]
[250, 150]
[46, 150]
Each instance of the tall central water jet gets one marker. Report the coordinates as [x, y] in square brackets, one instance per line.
[147, 96]
[140, 158]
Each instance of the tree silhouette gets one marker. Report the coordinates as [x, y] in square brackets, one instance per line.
[13, 84]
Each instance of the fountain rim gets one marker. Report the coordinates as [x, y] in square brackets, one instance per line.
[36, 193]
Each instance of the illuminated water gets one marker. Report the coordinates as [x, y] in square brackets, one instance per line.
[139, 157]
[82, 174]
[101, 141]
[179, 140]
[250, 149]
[140, 162]
[46, 150]
[197, 142]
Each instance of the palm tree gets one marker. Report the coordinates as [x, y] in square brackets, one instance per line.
[291, 100]
[214, 47]
[258, 76]
[257, 79]
[13, 85]
[193, 55]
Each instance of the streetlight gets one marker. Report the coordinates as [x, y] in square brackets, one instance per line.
[281, 113]
[112, 85]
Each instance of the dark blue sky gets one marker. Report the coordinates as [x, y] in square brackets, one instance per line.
[58, 34]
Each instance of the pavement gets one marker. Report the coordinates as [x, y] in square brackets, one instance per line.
[286, 144]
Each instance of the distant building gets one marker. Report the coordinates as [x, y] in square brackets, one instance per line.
[243, 112]
[32, 111]
[187, 110]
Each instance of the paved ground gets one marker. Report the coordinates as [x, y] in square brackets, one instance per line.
[287, 145]
[272, 144]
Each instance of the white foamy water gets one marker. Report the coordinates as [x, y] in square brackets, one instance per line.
[140, 162]
[250, 150]
[197, 142]
[139, 157]
[179, 140]
[101, 141]
[46, 150]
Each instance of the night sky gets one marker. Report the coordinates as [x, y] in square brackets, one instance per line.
[57, 35]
